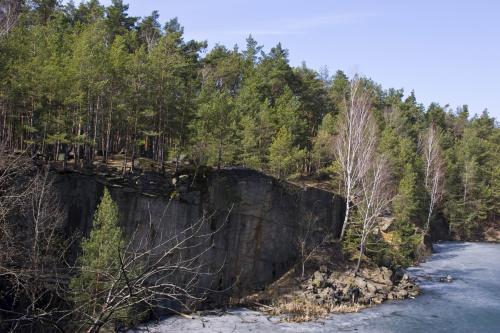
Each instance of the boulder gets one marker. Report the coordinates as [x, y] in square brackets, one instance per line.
[386, 275]
[379, 298]
[326, 294]
[368, 296]
[398, 275]
[448, 279]
[372, 288]
[385, 223]
[413, 293]
[401, 294]
[318, 279]
[360, 282]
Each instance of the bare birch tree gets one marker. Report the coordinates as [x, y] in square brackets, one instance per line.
[31, 264]
[13, 194]
[433, 169]
[46, 219]
[354, 146]
[375, 197]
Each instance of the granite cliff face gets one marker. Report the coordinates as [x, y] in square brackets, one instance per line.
[262, 216]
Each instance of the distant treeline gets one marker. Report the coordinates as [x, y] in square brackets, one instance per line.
[84, 82]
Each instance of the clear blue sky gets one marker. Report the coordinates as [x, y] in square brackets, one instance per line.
[447, 51]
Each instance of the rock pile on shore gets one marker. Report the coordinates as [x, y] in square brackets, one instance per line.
[331, 290]
[369, 286]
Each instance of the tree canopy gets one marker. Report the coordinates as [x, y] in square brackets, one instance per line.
[87, 82]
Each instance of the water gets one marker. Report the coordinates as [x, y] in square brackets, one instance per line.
[471, 303]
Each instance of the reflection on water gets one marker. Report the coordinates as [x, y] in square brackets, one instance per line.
[471, 303]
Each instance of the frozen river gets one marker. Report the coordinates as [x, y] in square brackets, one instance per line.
[471, 303]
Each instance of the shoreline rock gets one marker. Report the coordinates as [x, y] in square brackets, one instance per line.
[369, 286]
[327, 292]
[446, 279]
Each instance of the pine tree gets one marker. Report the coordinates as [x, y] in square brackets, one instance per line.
[284, 157]
[405, 208]
[322, 154]
[249, 156]
[99, 262]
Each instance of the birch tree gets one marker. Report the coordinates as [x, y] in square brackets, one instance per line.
[374, 199]
[354, 145]
[433, 169]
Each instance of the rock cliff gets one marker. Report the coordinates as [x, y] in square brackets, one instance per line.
[262, 216]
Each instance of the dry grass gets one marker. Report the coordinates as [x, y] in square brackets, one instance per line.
[299, 309]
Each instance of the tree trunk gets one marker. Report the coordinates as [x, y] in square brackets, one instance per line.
[346, 218]
[65, 162]
[361, 251]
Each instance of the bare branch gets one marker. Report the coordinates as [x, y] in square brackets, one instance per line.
[32, 257]
[308, 243]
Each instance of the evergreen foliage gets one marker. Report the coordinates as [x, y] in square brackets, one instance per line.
[99, 263]
[88, 82]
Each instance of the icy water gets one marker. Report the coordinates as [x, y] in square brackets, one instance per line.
[471, 303]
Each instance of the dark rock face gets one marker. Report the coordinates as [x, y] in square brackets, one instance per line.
[262, 216]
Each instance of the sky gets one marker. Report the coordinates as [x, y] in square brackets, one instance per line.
[447, 51]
